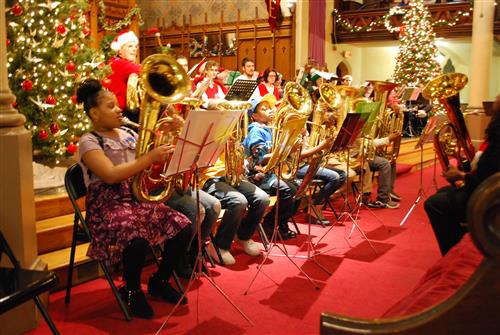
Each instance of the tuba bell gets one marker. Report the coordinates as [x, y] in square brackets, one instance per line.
[164, 81]
[451, 139]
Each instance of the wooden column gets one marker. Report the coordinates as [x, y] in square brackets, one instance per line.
[17, 199]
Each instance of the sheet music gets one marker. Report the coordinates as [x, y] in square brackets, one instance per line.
[202, 139]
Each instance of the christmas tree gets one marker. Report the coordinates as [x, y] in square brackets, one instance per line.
[416, 60]
[48, 55]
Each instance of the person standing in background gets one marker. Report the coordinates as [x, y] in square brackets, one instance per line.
[123, 65]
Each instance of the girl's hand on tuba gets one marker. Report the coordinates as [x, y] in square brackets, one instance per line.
[161, 153]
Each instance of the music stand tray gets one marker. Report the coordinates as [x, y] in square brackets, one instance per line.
[242, 90]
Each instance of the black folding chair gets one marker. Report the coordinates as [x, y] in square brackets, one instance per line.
[75, 186]
[20, 285]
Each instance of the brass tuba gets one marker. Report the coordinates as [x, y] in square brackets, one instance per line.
[289, 122]
[451, 139]
[164, 82]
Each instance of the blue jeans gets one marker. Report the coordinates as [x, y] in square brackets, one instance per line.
[186, 204]
[235, 201]
[286, 202]
[333, 178]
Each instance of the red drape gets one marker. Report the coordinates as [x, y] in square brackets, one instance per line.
[274, 10]
[317, 30]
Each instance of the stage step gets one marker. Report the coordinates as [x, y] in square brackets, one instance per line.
[49, 206]
[58, 262]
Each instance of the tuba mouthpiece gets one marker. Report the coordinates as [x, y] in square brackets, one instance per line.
[126, 122]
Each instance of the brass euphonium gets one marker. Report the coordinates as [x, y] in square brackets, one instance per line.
[164, 82]
[451, 139]
[381, 90]
[289, 122]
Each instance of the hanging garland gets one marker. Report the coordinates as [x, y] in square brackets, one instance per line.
[386, 20]
[127, 20]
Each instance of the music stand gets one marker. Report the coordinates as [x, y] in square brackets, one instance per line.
[434, 122]
[199, 145]
[351, 128]
[304, 190]
[242, 90]
[291, 129]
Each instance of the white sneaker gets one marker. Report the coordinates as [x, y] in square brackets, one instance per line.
[227, 258]
[249, 246]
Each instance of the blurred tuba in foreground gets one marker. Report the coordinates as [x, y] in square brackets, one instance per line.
[164, 81]
[451, 139]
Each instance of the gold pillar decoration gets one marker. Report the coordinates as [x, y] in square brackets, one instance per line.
[481, 54]
[17, 200]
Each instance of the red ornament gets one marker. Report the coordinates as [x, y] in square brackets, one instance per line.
[86, 31]
[8, 42]
[50, 100]
[73, 99]
[61, 29]
[70, 66]
[14, 104]
[16, 10]
[74, 49]
[71, 148]
[54, 128]
[27, 85]
[43, 135]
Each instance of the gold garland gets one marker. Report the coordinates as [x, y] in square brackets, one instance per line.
[127, 20]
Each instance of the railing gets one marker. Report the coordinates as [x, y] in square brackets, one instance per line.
[366, 14]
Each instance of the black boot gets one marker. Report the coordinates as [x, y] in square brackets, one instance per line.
[136, 302]
[161, 288]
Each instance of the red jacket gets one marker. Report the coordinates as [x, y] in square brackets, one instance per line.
[122, 69]
[263, 90]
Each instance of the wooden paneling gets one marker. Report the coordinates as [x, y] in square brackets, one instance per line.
[254, 40]
[282, 50]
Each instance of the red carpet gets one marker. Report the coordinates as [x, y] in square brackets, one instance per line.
[282, 300]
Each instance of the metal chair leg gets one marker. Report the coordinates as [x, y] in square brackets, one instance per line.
[46, 315]
[263, 237]
[123, 307]
[69, 283]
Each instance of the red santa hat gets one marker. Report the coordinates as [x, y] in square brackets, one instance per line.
[122, 39]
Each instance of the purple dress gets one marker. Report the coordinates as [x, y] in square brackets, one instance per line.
[114, 216]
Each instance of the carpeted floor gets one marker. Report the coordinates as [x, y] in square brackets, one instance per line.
[281, 300]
